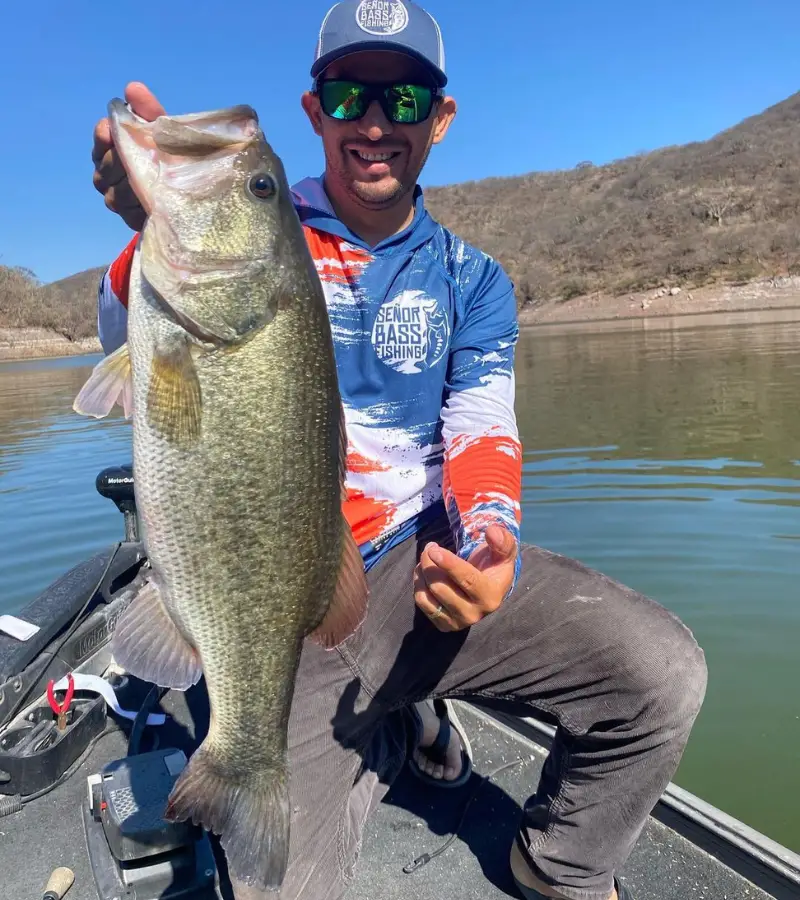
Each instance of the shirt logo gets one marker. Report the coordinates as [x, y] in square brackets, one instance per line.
[381, 16]
[411, 332]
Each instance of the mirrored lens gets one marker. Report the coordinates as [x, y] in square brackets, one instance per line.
[409, 102]
[343, 99]
[402, 103]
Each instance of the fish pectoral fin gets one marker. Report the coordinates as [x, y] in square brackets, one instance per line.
[349, 605]
[111, 382]
[149, 644]
[173, 397]
[248, 808]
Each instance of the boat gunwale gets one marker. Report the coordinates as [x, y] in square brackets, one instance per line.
[748, 852]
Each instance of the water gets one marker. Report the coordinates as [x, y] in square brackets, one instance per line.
[668, 458]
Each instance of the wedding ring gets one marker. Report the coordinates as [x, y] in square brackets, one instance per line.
[439, 611]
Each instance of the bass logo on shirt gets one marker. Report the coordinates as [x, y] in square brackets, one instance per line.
[411, 332]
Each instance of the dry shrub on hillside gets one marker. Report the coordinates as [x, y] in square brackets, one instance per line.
[68, 307]
[727, 209]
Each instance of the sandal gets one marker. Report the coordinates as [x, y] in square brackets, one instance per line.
[530, 894]
[437, 751]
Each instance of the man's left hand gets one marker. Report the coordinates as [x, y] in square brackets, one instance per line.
[456, 593]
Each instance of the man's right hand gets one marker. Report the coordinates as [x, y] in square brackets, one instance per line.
[110, 177]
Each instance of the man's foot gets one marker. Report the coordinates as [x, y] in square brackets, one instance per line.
[445, 762]
[526, 879]
[430, 728]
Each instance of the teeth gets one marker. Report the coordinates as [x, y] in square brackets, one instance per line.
[374, 157]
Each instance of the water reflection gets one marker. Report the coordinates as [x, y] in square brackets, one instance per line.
[710, 393]
[668, 459]
[50, 514]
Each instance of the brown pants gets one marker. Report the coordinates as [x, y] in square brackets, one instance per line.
[623, 678]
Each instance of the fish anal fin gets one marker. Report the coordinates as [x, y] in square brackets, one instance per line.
[349, 605]
[148, 643]
[110, 382]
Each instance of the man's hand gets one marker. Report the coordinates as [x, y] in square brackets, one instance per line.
[466, 590]
[110, 177]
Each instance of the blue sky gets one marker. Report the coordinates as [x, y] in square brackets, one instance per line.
[540, 86]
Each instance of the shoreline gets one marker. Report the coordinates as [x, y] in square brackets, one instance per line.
[670, 302]
[766, 300]
[668, 320]
[27, 344]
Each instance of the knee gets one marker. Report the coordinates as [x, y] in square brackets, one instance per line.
[669, 676]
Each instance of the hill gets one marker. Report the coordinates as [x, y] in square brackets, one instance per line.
[67, 307]
[716, 212]
[722, 210]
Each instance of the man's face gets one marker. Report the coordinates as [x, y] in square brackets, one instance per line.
[351, 147]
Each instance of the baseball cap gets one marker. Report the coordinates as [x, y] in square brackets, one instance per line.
[399, 25]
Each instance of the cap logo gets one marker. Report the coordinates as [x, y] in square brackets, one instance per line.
[382, 17]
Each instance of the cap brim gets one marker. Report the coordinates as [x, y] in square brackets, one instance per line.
[389, 46]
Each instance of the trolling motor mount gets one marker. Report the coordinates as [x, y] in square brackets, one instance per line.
[134, 852]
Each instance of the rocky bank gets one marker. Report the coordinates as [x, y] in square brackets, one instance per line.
[34, 343]
[781, 292]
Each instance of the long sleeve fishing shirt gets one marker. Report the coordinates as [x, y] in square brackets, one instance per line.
[424, 329]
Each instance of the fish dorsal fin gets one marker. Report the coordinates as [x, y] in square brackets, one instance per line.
[349, 605]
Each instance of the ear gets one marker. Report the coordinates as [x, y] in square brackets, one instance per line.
[445, 113]
[310, 103]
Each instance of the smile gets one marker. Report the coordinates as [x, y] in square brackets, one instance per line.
[375, 157]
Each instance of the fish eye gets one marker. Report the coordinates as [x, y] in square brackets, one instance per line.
[262, 186]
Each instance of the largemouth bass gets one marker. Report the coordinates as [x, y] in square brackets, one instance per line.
[238, 452]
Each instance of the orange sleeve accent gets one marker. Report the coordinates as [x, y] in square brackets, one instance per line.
[483, 469]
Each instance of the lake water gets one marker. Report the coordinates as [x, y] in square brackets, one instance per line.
[669, 458]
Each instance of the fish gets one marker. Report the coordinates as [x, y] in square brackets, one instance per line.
[229, 378]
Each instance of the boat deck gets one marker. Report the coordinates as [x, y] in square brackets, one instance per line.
[410, 822]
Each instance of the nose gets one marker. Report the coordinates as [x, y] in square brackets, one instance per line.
[374, 125]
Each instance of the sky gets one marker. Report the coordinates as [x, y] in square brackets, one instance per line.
[539, 86]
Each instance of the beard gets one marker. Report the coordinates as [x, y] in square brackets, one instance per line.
[379, 193]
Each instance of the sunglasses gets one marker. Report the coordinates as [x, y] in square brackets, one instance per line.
[404, 104]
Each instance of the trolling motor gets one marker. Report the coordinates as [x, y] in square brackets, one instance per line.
[133, 851]
[116, 483]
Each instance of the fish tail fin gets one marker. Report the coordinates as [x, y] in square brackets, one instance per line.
[249, 810]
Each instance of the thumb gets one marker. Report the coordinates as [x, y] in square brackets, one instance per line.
[143, 101]
[501, 542]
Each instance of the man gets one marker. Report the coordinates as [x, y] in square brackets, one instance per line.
[425, 329]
